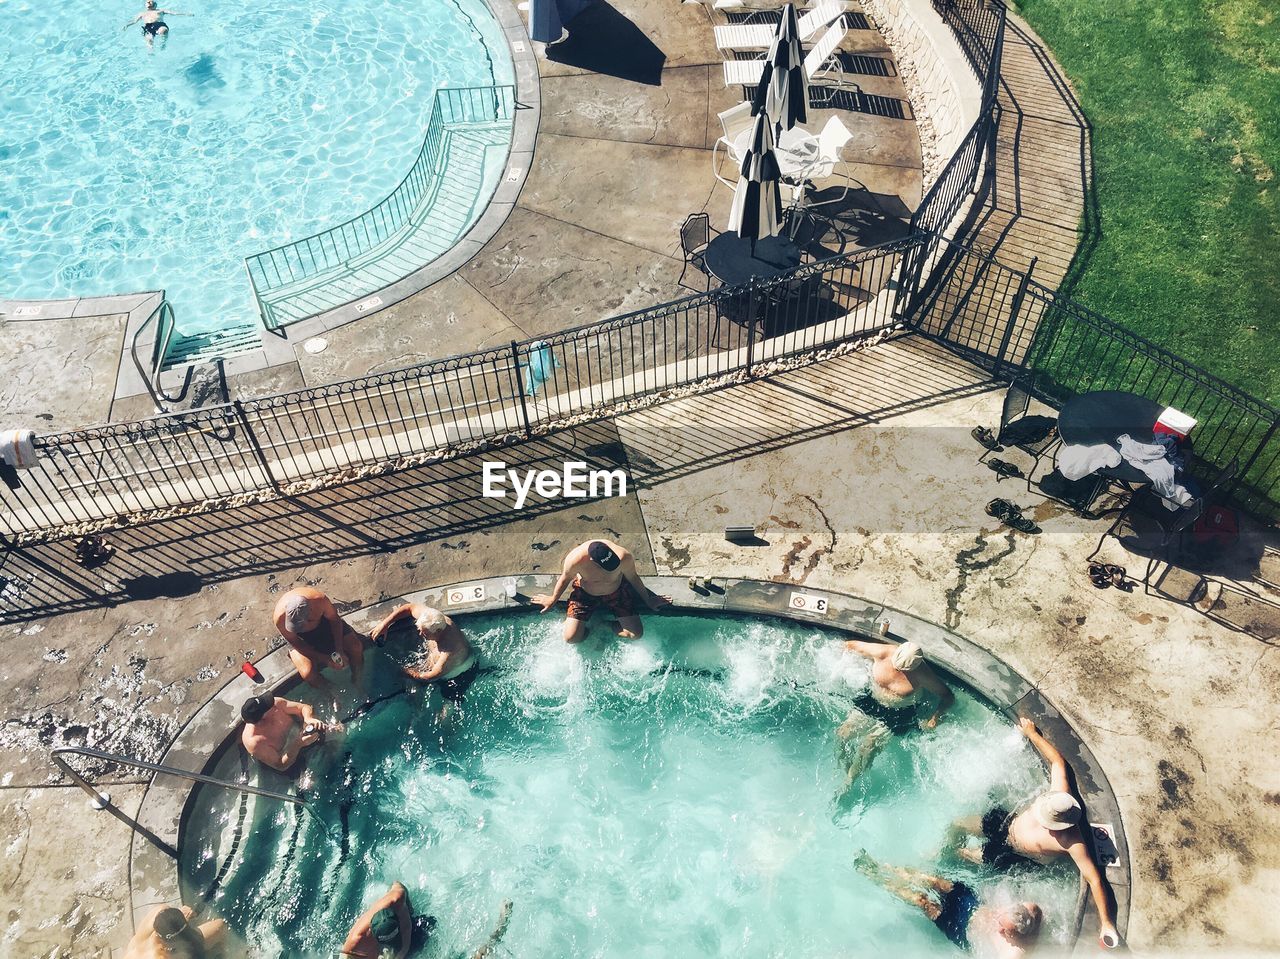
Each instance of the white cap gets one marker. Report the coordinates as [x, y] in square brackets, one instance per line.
[431, 621]
[907, 657]
[1057, 810]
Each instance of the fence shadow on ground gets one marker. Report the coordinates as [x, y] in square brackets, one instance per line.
[382, 514]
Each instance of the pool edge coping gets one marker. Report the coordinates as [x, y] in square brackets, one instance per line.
[154, 880]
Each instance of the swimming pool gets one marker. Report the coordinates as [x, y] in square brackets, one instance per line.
[125, 168]
[672, 796]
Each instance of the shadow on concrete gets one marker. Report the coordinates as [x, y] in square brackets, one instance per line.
[387, 513]
[835, 224]
[603, 40]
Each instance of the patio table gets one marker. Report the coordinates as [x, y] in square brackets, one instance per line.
[1102, 417]
[731, 259]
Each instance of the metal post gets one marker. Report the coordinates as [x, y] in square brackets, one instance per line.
[1266, 439]
[258, 454]
[752, 286]
[1014, 309]
[524, 406]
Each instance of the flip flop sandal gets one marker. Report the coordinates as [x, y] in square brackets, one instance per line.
[1099, 576]
[1002, 469]
[986, 438]
[1000, 508]
[1118, 578]
[1020, 523]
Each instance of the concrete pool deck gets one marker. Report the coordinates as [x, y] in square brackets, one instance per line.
[858, 480]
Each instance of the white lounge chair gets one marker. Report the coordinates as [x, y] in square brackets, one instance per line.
[796, 149]
[758, 36]
[740, 6]
[822, 62]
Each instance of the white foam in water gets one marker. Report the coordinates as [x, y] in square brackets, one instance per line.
[666, 797]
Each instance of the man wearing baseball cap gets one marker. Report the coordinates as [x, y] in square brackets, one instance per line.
[603, 575]
[1048, 828]
[320, 637]
[904, 694]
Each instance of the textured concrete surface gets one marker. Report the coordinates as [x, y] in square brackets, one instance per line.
[859, 476]
[61, 373]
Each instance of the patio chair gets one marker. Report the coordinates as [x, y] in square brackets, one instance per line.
[695, 234]
[1029, 433]
[1171, 525]
[821, 63]
[759, 36]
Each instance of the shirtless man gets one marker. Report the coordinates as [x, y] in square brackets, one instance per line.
[319, 636]
[152, 23]
[388, 928]
[602, 574]
[269, 724]
[167, 933]
[900, 682]
[1045, 830]
[444, 657]
[1008, 933]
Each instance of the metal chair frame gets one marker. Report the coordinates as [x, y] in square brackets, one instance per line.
[694, 246]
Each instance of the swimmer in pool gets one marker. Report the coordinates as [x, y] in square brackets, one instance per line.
[153, 24]
[900, 682]
[1008, 933]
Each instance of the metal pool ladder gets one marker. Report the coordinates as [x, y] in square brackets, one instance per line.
[103, 800]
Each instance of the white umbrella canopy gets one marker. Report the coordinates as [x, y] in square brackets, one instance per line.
[757, 200]
[783, 91]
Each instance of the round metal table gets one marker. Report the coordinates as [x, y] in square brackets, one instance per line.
[1089, 419]
[731, 259]
[1101, 418]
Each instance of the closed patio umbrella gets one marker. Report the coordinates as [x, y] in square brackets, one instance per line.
[783, 91]
[757, 201]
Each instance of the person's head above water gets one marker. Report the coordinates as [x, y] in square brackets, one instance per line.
[169, 923]
[1021, 919]
[151, 4]
[255, 707]
[386, 927]
[603, 556]
[1057, 810]
[907, 657]
[431, 621]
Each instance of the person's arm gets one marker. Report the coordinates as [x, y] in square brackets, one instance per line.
[498, 932]
[336, 630]
[1092, 876]
[401, 906]
[426, 675]
[400, 612]
[1058, 781]
[550, 599]
[941, 691]
[632, 576]
[869, 650]
[131, 23]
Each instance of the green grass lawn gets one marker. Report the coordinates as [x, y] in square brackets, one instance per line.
[1184, 100]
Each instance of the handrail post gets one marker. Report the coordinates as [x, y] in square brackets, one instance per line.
[524, 406]
[1014, 309]
[258, 453]
[752, 286]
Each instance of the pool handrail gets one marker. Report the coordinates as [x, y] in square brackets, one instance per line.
[462, 106]
[150, 374]
[103, 801]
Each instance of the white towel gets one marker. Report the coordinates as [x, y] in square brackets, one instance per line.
[1077, 462]
[1152, 459]
[17, 448]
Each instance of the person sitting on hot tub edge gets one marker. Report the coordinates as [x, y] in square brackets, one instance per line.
[444, 658]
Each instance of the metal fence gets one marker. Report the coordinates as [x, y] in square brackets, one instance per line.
[336, 248]
[214, 456]
[1005, 322]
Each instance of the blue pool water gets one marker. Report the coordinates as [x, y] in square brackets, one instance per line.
[668, 797]
[124, 168]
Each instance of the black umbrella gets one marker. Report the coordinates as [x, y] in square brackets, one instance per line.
[783, 91]
[757, 201]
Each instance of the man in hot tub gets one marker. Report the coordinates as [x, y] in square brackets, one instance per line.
[603, 575]
[444, 657]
